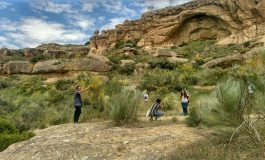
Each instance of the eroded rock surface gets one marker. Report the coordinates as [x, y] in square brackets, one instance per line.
[227, 21]
[102, 141]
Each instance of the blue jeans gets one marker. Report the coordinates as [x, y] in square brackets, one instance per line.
[158, 114]
[185, 107]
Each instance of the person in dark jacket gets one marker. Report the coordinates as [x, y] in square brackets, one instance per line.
[78, 103]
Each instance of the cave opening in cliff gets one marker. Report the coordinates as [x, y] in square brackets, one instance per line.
[199, 27]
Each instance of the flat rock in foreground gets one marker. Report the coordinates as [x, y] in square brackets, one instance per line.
[101, 141]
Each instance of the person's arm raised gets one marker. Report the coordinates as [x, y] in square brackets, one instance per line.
[85, 89]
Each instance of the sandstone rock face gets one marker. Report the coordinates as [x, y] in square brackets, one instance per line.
[64, 51]
[227, 21]
[87, 65]
[127, 62]
[16, 67]
[225, 61]
[100, 58]
[51, 66]
[95, 63]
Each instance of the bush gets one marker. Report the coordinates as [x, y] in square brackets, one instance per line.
[160, 78]
[63, 84]
[126, 70]
[55, 96]
[193, 120]
[6, 127]
[161, 63]
[8, 139]
[37, 58]
[225, 106]
[190, 80]
[169, 101]
[124, 106]
[3, 84]
[9, 134]
[122, 44]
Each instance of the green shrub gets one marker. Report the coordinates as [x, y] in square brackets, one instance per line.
[6, 127]
[161, 78]
[37, 58]
[193, 120]
[225, 106]
[3, 84]
[161, 63]
[124, 106]
[122, 44]
[63, 84]
[126, 70]
[190, 80]
[8, 139]
[169, 101]
[55, 96]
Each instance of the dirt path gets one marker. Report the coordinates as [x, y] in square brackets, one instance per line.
[102, 141]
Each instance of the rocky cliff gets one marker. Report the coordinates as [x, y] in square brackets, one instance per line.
[226, 21]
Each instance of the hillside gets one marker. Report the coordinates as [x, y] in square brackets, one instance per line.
[212, 49]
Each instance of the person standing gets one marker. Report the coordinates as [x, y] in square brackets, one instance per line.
[184, 101]
[78, 102]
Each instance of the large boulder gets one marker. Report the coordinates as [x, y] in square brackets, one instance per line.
[100, 58]
[16, 67]
[87, 65]
[177, 60]
[225, 61]
[127, 62]
[50, 66]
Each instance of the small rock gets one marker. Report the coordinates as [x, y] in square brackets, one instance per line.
[126, 142]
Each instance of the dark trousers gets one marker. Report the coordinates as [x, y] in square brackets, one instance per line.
[77, 113]
[185, 107]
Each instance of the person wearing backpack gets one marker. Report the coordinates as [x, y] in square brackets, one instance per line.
[78, 102]
[184, 96]
[153, 111]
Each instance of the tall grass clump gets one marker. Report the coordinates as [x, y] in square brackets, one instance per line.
[225, 106]
[124, 106]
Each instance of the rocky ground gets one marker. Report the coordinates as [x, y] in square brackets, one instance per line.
[103, 140]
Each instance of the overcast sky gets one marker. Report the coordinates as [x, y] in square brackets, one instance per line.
[29, 23]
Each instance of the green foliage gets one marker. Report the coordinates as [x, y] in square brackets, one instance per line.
[122, 44]
[3, 84]
[190, 80]
[169, 101]
[161, 63]
[9, 134]
[63, 84]
[124, 106]
[6, 127]
[37, 58]
[87, 43]
[225, 106]
[8, 139]
[193, 120]
[126, 70]
[156, 79]
[55, 96]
